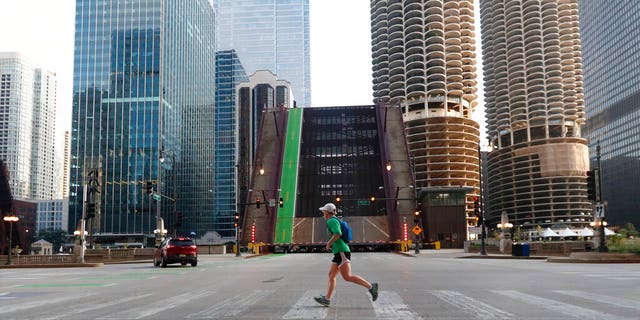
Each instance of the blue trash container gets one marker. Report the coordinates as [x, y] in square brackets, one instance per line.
[524, 249]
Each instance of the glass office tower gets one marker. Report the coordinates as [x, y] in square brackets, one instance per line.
[229, 73]
[269, 35]
[610, 33]
[143, 99]
[535, 113]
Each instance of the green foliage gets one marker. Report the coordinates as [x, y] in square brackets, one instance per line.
[628, 231]
[625, 246]
[56, 237]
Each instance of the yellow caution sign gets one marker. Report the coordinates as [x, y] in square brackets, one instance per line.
[417, 230]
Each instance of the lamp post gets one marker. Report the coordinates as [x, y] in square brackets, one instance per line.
[174, 182]
[503, 226]
[81, 235]
[601, 224]
[11, 219]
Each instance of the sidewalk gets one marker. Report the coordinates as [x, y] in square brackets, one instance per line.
[576, 257]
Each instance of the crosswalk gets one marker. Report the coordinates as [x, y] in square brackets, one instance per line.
[299, 304]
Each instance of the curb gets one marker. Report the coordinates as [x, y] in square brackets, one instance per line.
[53, 265]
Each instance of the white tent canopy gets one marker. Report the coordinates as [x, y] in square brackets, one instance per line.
[549, 233]
[608, 232]
[586, 232]
[567, 233]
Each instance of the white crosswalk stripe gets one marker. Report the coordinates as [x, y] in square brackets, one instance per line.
[556, 306]
[615, 301]
[470, 306]
[41, 303]
[390, 306]
[157, 306]
[307, 308]
[233, 306]
[83, 308]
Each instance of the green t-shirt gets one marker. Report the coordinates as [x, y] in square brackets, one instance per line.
[333, 224]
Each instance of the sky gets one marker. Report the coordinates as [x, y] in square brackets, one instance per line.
[43, 31]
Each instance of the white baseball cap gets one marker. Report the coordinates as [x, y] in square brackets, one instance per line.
[329, 207]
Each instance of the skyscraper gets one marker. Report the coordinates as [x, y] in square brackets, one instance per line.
[28, 101]
[535, 113]
[269, 35]
[229, 73]
[143, 99]
[424, 63]
[610, 33]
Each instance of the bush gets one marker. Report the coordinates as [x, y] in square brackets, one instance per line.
[625, 246]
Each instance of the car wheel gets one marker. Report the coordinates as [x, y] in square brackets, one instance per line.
[156, 262]
[183, 263]
[195, 263]
[164, 262]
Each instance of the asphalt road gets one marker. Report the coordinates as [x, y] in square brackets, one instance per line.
[434, 285]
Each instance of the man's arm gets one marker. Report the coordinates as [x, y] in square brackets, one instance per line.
[332, 240]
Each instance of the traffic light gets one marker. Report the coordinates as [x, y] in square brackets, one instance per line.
[591, 185]
[149, 187]
[237, 220]
[281, 202]
[91, 210]
[373, 198]
[179, 219]
[258, 203]
[476, 205]
[338, 199]
[416, 216]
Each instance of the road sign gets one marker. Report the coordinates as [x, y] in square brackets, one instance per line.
[364, 202]
[599, 210]
[156, 197]
[417, 230]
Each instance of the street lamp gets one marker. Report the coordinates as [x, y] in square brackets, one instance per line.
[11, 220]
[160, 233]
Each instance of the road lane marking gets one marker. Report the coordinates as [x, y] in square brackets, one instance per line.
[556, 306]
[158, 306]
[40, 303]
[476, 308]
[390, 306]
[307, 308]
[79, 309]
[233, 306]
[616, 301]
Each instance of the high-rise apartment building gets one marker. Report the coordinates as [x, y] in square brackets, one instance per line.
[143, 103]
[535, 113]
[610, 34]
[424, 62]
[229, 73]
[28, 98]
[269, 35]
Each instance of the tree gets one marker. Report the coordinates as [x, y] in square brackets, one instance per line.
[631, 230]
[56, 237]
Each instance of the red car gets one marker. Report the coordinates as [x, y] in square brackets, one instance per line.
[176, 250]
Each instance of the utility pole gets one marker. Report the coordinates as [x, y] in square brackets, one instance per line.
[603, 246]
[483, 232]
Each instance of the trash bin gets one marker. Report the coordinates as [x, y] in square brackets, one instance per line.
[588, 247]
[520, 249]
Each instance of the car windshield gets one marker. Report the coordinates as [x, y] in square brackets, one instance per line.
[181, 243]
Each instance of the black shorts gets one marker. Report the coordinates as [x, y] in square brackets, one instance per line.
[341, 258]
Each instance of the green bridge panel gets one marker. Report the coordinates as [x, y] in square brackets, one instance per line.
[289, 178]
